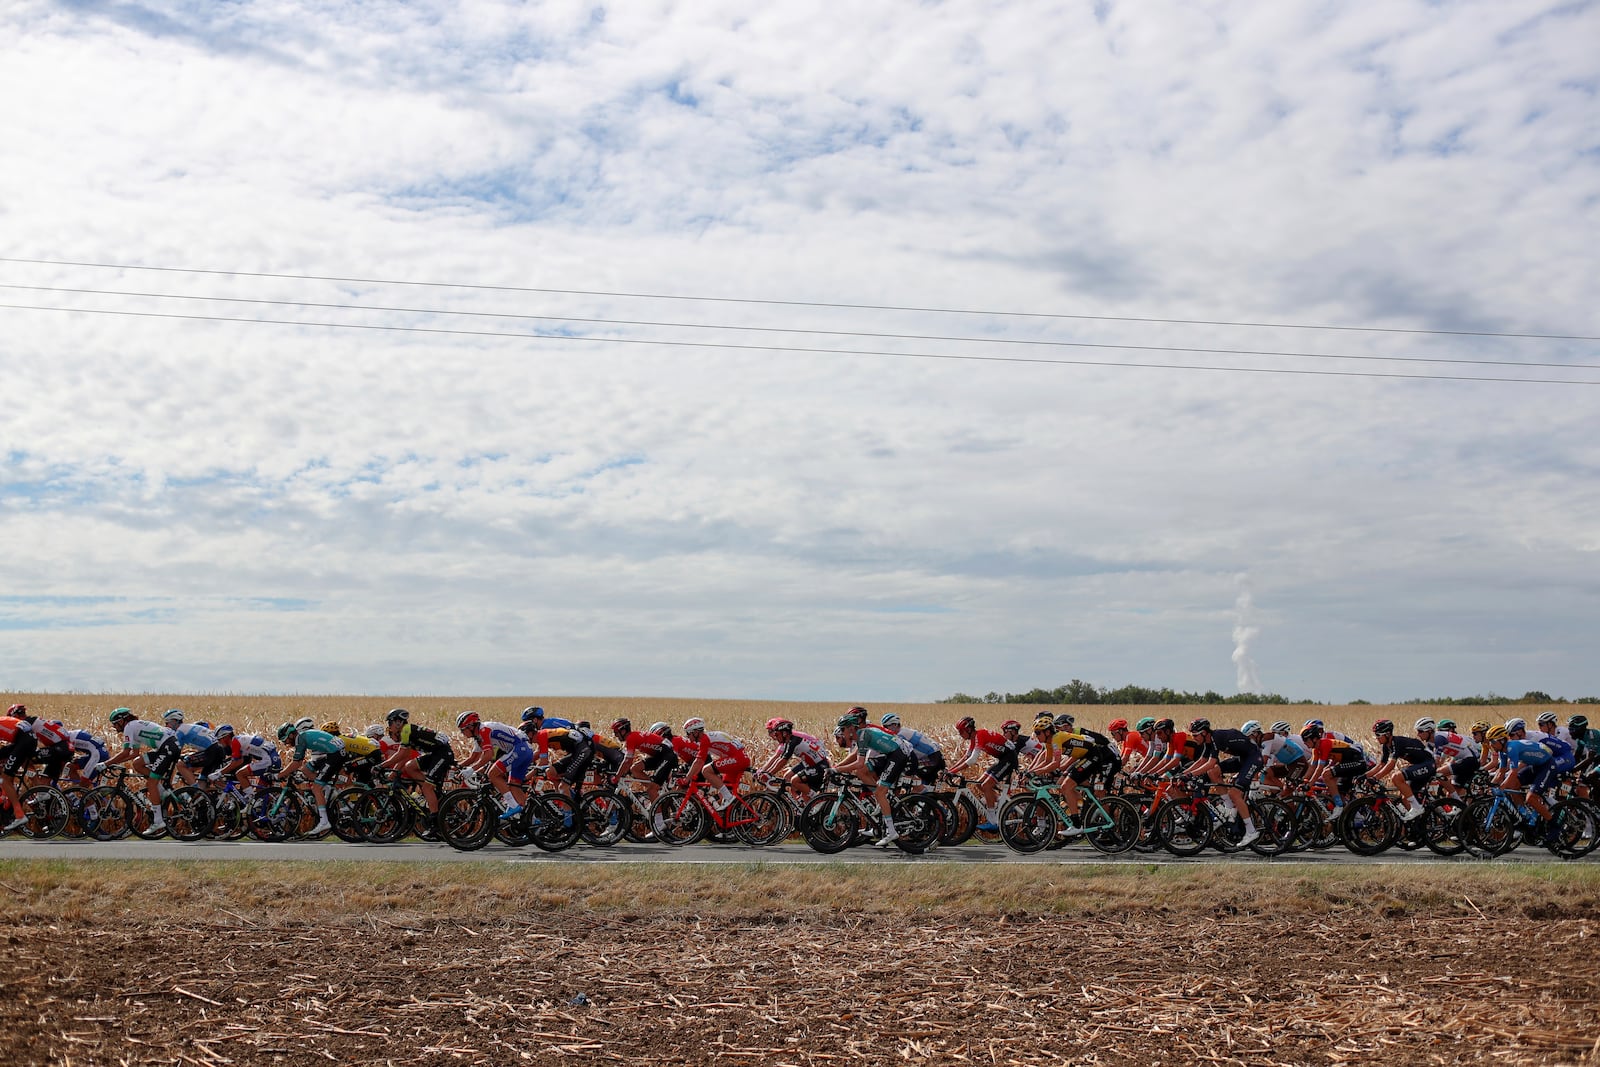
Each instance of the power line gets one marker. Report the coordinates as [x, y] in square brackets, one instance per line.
[798, 303]
[802, 330]
[795, 348]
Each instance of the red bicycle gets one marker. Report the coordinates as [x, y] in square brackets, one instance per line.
[684, 816]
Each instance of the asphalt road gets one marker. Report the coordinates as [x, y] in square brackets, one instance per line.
[421, 852]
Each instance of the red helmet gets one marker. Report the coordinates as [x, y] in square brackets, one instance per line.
[1011, 724]
[1117, 724]
[966, 726]
[466, 720]
[779, 726]
[621, 727]
[17, 710]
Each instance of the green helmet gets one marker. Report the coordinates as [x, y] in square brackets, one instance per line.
[121, 713]
[285, 730]
[848, 719]
[1146, 723]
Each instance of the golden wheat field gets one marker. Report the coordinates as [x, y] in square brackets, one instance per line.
[742, 718]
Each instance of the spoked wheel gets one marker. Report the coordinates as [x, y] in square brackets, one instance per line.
[678, 821]
[552, 824]
[351, 812]
[920, 822]
[1575, 828]
[466, 819]
[762, 819]
[188, 813]
[1028, 824]
[1369, 825]
[1277, 824]
[1441, 826]
[48, 812]
[108, 813]
[1489, 829]
[605, 817]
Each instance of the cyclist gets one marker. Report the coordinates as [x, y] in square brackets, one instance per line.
[1457, 754]
[807, 753]
[1586, 745]
[1562, 757]
[423, 755]
[648, 754]
[54, 746]
[307, 741]
[1282, 754]
[925, 750]
[90, 752]
[1419, 758]
[1524, 764]
[193, 736]
[607, 750]
[1003, 750]
[877, 758]
[718, 757]
[542, 721]
[1081, 755]
[1336, 760]
[163, 753]
[504, 754]
[1549, 726]
[1488, 758]
[577, 748]
[1132, 747]
[1178, 749]
[1229, 752]
[17, 745]
[248, 755]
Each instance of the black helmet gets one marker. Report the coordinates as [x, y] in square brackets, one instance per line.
[399, 715]
[1578, 723]
[1064, 721]
[1382, 727]
[1200, 726]
[1165, 724]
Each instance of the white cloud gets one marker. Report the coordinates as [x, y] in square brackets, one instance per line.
[302, 508]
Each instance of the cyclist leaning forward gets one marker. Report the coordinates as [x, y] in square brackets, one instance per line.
[877, 758]
[1081, 756]
[503, 753]
[810, 758]
[1229, 752]
[423, 756]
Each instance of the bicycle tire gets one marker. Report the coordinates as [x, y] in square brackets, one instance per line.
[1441, 826]
[919, 821]
[108, 813]
[390, 817]
[1028, 824]
[605, 817]
[1369, 825]
[143, 816]
[466, 820]
[230, 817]
[768, 819]
[558, 827]
[350, 811]
[1576, 828]
[1122, 833]
[829, 824]
[74, 828]
[187, 812]
[1277, 825]
[1184, 830]
[48, 812]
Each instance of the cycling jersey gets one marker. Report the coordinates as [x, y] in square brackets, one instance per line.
[1134, 745]
[11, 727]
[924, 746]
[1071, 745]
[1588, 744]
[49, 733]
[423, 739]
[715, 746]
[497, 737]
[91, 751]
[1228, 744]
[358, 747]
[1331, 748]
[805, 748]
[568, 739]
[141, 734]
[871, 739]
[1409, 749]
[1284, 750]
[990, 743]
[1523, 753]
[193, 735]
[1453, 746]
[644, 745]
[317, 741]
[1562, 758]
[555, 723]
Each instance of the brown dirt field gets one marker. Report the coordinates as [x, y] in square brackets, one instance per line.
[258, 965]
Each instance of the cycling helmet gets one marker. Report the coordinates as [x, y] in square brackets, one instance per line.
[305, 723]
[1164, 724]
[1425, 723]
[173, 715]
[1065, 721]
[121, 715]
[846, 721]
[1382, 727]
[1116, 724]
[330, 727]
[1043, 723]
[399, 715]
[966, 726]
[889, 719]
[1281, 727]
[285, 730]
[1479, 726]
[860, 714]
[1497, 733]
[1548, 719]
[620, 727]
[374, 731]
[467, 719]
[1146, 723]
[1578, 723]
[1250, 727]
[1311, 732]
[661, 729]
[532, 713]
[693, 725]
[1447, 724]
[224, 729]
[1312, 722]
[1010, 724]
[16, 709]
[1200, 726]
[784, 726]
[1513, 725]
[203, 725]
[838, 735]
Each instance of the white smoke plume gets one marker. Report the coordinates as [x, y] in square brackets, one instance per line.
[1245, 631]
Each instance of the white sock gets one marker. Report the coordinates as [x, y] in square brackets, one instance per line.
[1249, 826]
[510, 800]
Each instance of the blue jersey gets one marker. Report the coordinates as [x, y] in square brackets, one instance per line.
[555, 724]
[193, 735]
[920, 743]
[1562, 757]
[85, 741]
[1526, 754]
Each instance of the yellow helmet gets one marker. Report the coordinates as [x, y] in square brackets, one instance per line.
[1044, 722]
[1497, 733]
[330, 727]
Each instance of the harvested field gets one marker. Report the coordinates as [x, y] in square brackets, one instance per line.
[258, 964]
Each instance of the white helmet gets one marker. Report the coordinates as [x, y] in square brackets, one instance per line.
[1425, 723]
[306, 723]
[375, 731]
[173, 715]
[694, 725]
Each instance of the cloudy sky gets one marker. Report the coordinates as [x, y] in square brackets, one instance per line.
[682, 417]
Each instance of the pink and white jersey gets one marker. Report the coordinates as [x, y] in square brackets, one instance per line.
[805, 748]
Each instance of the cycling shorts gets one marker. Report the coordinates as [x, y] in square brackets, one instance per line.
[887, 767]
[812, 776]
[1004, 767]
[269, 762]
[54, 758]
[1464, 769]
[1418, 775]
[574, 765]
[516, 764]
[1243, 771]
[928, 770]
[435, 765]
[19, 753]
[162, 757]
[658, 767]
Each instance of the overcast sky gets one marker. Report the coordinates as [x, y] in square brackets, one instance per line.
[577, 507]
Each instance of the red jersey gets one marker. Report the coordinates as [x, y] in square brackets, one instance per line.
[10, 727]
[995, 744]
[639, 743]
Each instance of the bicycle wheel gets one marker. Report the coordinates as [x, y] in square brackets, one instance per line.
[828, 824]
[959, 829]
[350, 811]
[760, 819]
[108, 813]
[677, 820]
[144, 823]
[388, 817]
[1488, 826]
[1184, 828]
[466, 819]
[1116, 830]
[1028, 824]
[919, 821]
[1575, 828]
[188, 813]
[1369, 825]
[605, 818]
[75, 827]
[275, 816]
[1441, 826]
[48, 812]
[1277, 825]
[554, 826]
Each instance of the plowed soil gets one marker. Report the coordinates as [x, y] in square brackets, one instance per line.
[557, 975]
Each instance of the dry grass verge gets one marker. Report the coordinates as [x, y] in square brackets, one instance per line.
[463, 964]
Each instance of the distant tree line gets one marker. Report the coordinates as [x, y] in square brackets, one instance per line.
[1081, 692]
